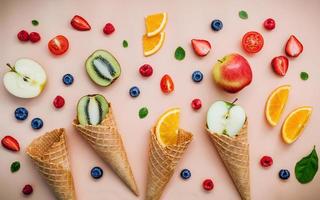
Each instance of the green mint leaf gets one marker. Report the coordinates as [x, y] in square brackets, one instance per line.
[15, 166]
[304, 76]
[143, 112]
[35, 22]
[307, 167]
[179, 54]
[243, 14]
[125, 44]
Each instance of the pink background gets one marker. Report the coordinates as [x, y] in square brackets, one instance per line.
[186, 21]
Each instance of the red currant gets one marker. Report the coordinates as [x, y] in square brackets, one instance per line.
[208, 184]
[23, 36]
[196, 104]
[269, 24]
[58, 102]
[146, 70]
[266, 161]
[27, 189]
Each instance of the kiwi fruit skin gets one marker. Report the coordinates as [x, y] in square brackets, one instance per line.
[111, 63]
[83, 111]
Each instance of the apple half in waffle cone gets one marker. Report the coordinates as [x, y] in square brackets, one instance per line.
[49, 153]
[163, 161]
[234, 152]
[107, 143]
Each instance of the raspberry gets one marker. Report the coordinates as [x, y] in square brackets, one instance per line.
[58, 102]
[108, 29]
[34, 37]
[23, 36]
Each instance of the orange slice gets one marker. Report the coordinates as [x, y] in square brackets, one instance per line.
[152, 44]
[155, 23]
[295, 123]
[168, 126]
[276, 104]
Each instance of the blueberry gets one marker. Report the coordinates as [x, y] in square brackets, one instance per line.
[67, 79]
[21, 113]
[197, 76]
[36, 123]
[185, 174]
[96, 172]
[216, 25]
[134, 91]
[284, 174]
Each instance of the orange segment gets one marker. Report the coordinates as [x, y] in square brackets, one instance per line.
[295, 123]
[276, 104]
[152, 44]
[168, 126]
[155, 23]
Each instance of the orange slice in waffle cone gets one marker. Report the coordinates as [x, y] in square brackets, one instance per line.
[234, 152]
[49, 153]
[163, 161]
[106, 141]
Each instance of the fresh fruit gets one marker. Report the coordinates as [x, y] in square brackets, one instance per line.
[225, 118]
[92, 109]
[108, 29]
[103, 68]
[58, 45]
[146, 70]
[21, 113]
[216, 25]
[23, 36]
[27, 190]
[167, 127]
[34, 37]
[232, 73]
[36, 123]
[58, 102]
[266, 161]
[26, 79]
[293, 47]
[269, 24]
[152, 44]
[201, 47]
[96, 172]
[155, 23]
[134, 91]
[252, 42]
[10, 143]
[79, 23]
[185, 174]
[143, 112]
[197, 76]
[15, 166]
[280, 65]
[284, 174]
[196, 104]
[295, 123]
[276, 103]
[208, 184]
[166, 84]
[67, 79]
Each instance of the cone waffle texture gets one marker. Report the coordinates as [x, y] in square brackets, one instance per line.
[163, 162]
[106, 141]
[49, 153]
[234, 152]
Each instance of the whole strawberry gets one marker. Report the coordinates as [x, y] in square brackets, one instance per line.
[10, 143]
[280, 65]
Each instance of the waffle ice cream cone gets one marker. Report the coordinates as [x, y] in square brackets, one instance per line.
[234, 152]
[106, 141]
[49, 153]
[163, 162]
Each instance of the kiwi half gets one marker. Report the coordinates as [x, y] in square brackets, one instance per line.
[102, 67]
[92, 109]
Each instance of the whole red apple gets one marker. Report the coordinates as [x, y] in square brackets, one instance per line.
[232, 73]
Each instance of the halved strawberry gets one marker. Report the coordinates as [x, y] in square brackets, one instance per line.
[10, 143]
[201, 47]
[280, 65]
[293, 47]
[79, 23]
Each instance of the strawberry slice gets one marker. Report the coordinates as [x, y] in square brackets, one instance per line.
[293, 47]
[10, 143]
[201, 47]
[280, 65]
[80, 24]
